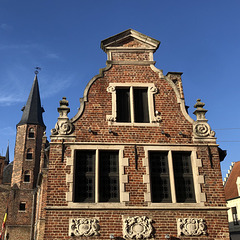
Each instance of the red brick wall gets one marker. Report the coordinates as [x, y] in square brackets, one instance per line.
[110, 221]
[23, 143]
[99, 105]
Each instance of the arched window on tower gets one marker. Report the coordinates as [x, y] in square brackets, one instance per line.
[29, 154]
[31, 133]
[27, 176]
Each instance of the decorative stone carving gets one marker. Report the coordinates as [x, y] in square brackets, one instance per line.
[63, 125]
[111, 118]
[191, 226]
[137, 227]
[201, 128]
[157, 117]
[153, 90]
[111, 89]
[83, 227]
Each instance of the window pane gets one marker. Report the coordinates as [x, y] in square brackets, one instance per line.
[183, 177]
[26, 177]
[22, 206]
[31, 133]
[159, 177]
[234, 215]
[84, 187]
[123, 105]
[141, 105]
[29, 153]
[108, 176]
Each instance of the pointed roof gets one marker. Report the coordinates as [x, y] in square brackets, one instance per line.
[32, 112]
[7, 155]
[117, 40]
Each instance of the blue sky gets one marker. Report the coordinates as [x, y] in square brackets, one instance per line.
[199, 38]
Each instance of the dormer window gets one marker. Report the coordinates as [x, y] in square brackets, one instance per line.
[132, 104]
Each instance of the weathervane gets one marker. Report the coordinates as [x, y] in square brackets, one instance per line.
[37, 70]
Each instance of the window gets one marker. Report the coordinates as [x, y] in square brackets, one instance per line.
[22, 206]
[183, 177]
[136, 98]
[92, 185]
[181, 189]
[26, 176]
[133, 104]
[29, 154]
[160, 184]
[31, 133]
[234, 215]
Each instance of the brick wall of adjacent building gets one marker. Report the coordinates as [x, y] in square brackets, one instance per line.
[4, 198]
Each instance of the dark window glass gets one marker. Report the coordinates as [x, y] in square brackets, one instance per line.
[183, 177]
[159, 177]
[140, 96]
[22, 206]
[123, 105]
[31, 133]
[234, 215]
[84, 176]
[108, 176]
[29, 154]
[26, 177]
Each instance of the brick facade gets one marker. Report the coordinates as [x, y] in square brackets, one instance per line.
[96, 129]
[130, 63]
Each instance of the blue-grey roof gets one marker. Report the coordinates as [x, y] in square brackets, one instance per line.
[32, 112]
[7, 173]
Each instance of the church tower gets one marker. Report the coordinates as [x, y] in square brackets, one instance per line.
[28, 141]
[22, 199]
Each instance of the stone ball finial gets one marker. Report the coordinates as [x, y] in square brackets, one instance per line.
[199, 104]
[63, 102]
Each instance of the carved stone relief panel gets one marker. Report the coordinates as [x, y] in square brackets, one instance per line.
[191, 226]
[83, 227]
[137, 227]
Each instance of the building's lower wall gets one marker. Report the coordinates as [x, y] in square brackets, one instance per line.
[235, 235]
[18, 232]
[164, 222]
[4, 196]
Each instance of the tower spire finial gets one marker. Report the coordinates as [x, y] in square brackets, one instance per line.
[37, 70]
[32, 112]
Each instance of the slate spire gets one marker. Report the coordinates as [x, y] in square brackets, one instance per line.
[32, 112]
[7, 155]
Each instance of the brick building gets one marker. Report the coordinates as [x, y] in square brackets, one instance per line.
[232, 193]
[131, 164]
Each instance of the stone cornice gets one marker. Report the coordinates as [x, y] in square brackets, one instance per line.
[194, 208]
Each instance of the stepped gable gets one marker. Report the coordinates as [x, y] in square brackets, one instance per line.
[230, 187]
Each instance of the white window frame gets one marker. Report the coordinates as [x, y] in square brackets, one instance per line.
[197, 179]
[154, 118]
[123, 178]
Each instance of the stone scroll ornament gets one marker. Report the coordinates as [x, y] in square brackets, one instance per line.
[191, 226]
[83, 227]
[137, 228]
[201, 128]
[63, 125]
